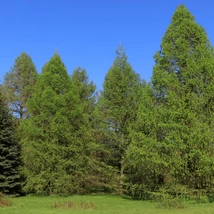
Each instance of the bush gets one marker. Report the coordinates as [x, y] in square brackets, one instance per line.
[168, 201]
[210, 197]
[171, 203]
[170, 198]
[200, 195]
[138, 191]
[4, 202]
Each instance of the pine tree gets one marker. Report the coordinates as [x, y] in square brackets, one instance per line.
[46, 134]
[92, 174]
[146, 162]
[118, 106]
[59, 133]
[81, 114]
[85, 90]
[19, 84]
[182, 79]
[182, 82]
[10, 182]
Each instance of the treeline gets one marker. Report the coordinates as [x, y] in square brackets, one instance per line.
[60, 136]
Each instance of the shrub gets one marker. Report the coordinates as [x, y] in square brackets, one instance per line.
[168, 201]
[4, 202]
[138, 191]
[171, 203]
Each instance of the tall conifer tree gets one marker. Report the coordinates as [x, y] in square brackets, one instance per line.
[19, 84]
[182, 91]
[46, 134]
[10, 182]
[118, 105]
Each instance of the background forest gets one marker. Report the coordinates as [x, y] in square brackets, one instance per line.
[59, 135]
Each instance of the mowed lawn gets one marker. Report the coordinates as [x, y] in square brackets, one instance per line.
[104, 205]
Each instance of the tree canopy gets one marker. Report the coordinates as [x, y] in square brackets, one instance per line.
[143, 139]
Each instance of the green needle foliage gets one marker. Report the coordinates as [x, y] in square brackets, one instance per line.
[118, 107]
[179, 141]
[81, 115]
[150, 140]
[92, 174]
[19, 84]
[182, 80]
[10, 182]
[59, 134]
[46, 134]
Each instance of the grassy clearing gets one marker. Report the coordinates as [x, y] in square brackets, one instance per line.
[102, 205]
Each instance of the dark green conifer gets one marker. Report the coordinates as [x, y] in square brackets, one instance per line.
[10, 182]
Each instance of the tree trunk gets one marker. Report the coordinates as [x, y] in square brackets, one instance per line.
[122, 166]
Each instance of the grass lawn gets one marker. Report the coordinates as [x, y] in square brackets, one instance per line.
[104, 205]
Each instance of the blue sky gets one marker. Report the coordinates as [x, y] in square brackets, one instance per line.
[86, 33]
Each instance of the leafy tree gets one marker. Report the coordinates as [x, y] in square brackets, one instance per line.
[118, 107]
[10, 182]
[182, 135]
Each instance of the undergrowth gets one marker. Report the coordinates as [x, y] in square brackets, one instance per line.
[4, 202]
[73, 205]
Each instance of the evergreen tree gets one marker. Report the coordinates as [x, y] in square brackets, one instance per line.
[96, 175]
[182, 94]
[85, 90]
[146, 161]
[59, 133]
[118, 107]
[10, 182]
[19, 84]
[46, 134]
[81, 114]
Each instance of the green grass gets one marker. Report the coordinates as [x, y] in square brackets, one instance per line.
[104, 205]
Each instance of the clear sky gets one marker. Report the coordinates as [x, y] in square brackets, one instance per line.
[86, 33]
